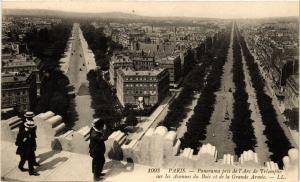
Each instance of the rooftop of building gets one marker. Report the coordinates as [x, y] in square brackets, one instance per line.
[18, 64]
[10, 60]
[128, 56]
[120, 58]
[159, 50]
[132, 72]
[168, 59]
[14, 77]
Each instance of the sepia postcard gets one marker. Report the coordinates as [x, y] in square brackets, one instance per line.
[150, 90]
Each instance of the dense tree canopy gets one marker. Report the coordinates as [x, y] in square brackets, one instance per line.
[196, 127]
[49, 46]
[103, 100]
[241, 124]
[277, 142]
[101, 45]
[193, 82]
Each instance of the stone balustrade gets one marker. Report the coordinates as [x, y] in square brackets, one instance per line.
[158, 147]
[49, 126]
[113, 145]
[52, 134]
[10, 128]
[80, 140]
[249, 158]
[290, 163]
[161, 148]
[7, 113]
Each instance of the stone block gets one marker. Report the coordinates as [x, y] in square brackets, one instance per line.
[249, 159]
[271, 165]
[55, 120]
[129, 151]
[49, 126]
[206, 155]
[290, 162]
[157, 146]
[63, 142]
[59, 129]
[10, 128]
[186, 159]
[228, 159]
[45, 115]
[170, 141]
[145, 147]
[113, 145]
[79, 142]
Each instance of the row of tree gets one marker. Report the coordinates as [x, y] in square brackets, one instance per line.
[277, 142]
[196, 127]
[103, 99]
[192, 83]
[178, 108]
[49, 46]
[189, 62]
[241, 124]
[101, 45]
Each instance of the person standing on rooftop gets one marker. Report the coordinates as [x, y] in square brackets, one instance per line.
[26, 144]
[97, 147]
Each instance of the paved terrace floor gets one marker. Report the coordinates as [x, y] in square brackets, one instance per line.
[67, 166]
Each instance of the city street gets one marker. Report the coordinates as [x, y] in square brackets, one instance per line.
[77, 74]
[261, 148]
[218, 133]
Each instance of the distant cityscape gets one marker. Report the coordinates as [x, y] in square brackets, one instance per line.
[230, 83]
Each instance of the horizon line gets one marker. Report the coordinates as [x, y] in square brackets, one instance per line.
[147, 16]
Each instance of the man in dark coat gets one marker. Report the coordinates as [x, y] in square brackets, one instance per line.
[97, 147]
[27, 144]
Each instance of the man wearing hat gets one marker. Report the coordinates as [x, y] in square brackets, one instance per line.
[26, 144]
[97, 147]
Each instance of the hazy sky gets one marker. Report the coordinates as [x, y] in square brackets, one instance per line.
[213, 9]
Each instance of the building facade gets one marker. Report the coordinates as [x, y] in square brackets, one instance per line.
[173, 65]
[18, 91]
[22, 64]
[152, 85]
[292, 92]
[143, 63]
[118, 61]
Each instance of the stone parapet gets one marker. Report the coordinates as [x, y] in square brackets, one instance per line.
[51, 133]
[10, 128]
[49, 126]
[158, 147]
[161, 148]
